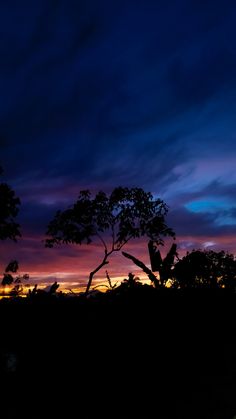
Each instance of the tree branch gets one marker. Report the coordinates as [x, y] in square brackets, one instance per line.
[113, 236]
[103, 242]
[91, 275]
[122, 245]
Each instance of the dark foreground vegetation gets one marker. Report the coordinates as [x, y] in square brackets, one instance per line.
[138, 353]
[135, 351]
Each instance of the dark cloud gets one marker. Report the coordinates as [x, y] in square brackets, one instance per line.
[195, 81]
[187, 223]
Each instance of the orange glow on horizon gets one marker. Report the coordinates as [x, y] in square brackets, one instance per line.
[70, 265]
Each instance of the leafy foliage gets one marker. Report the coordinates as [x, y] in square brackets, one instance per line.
[124, 215]
[162, 265]
[9, 207]
[9, 279]
[127, 213]
[206, 269]
[145, 269]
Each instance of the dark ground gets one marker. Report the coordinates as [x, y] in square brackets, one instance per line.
[163, 354]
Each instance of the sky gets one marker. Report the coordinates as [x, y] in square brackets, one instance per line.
[99, 94]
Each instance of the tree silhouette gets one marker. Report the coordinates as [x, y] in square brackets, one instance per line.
[206, 269]
[114, 220]
[162, 265]
[9, 207]
[227, 270]
[9, 279]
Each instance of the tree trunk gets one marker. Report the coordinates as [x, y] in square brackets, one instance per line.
[91, 275]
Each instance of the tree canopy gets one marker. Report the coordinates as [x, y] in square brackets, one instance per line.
[125, 214]
[206, 269]
[9, 207]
